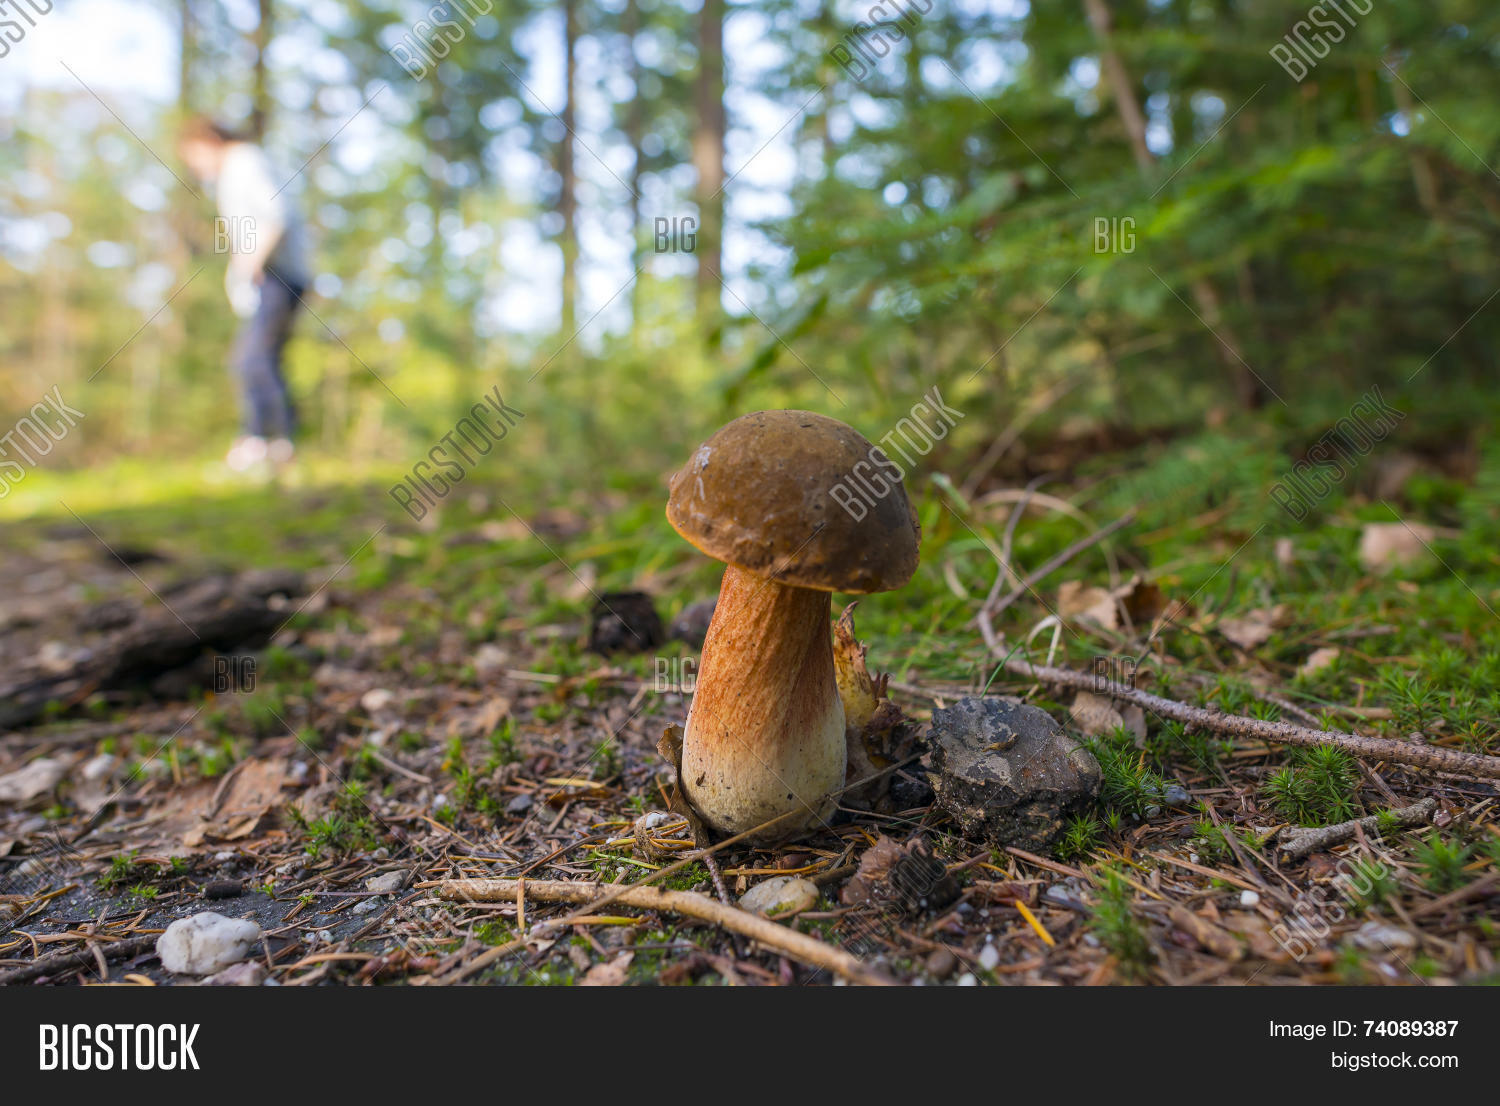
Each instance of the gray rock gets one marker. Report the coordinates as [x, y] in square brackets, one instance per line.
[780, 895]
[941, 963]
[206, 943]
[1007, 773]
[387, 884]
[1379, 937]
[1177, 795]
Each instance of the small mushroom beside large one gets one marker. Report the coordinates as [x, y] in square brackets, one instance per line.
[765, 736]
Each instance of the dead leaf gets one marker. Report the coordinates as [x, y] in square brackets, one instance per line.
[1095, 604]
[1387, 545]
[860, 694]
[37, 778]
[1254, 629]
[253, 791]
[487, 719]
[1318, 660]
[1095, 714]
[611, 974]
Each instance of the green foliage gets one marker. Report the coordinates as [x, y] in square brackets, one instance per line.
[1441, 861]
[1080, 837]
[1316, 788]
[1128, 784]
[1115, 924]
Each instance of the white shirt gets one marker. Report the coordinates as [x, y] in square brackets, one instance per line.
[259, 226]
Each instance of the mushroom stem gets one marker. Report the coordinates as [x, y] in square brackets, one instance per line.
[765, 735]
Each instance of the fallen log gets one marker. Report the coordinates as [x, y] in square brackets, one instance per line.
[221, 613]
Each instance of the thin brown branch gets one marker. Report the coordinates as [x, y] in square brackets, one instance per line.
[799, 946]
[1281, 733]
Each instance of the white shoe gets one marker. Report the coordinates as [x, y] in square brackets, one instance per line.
[246, 453]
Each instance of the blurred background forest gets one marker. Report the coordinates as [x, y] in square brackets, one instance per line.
[1072, 216]
[1150, 255]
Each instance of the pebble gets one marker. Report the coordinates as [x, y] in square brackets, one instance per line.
[366, 906]
[518, 805]
[98, 768]
[247, 973]
[989, 958]
[377, 699]
[1380, 937]
[387, 884]
[942, 963]
[224, 857]
[206, 943]
[1249, 899]
[1177, 795]
[780, 895]
[968, 979]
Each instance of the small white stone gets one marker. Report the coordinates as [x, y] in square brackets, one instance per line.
[99, 768]
[968, 979]
[387, 884]
[780, 895]
[206, 943]
[1249, 899]
[366, 906]
[377, 699]
[1379, 937]
[989, 958]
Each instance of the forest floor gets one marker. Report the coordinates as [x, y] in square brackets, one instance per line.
[427, 707]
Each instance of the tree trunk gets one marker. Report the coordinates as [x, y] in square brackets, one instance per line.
[1248, 388]
[185, 53]
[567, 201]
[708, 156]
[635, 128]
[260, 99]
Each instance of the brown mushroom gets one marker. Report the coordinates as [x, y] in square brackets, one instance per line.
[765, 734]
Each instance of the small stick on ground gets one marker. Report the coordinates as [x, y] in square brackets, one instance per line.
[798, 946]
[1310, 840]
[718, 878]
[1281, 733]
[83, 958]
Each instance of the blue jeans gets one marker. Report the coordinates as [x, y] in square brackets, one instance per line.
[266, 405]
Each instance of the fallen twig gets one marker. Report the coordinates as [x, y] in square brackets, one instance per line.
[799, 946]
[1284, 733]
[82, 958]
[1307, 840]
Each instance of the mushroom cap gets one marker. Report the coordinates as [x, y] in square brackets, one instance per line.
[759, 495]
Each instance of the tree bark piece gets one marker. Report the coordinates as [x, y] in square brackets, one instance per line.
[1310, 840]
[219, 613]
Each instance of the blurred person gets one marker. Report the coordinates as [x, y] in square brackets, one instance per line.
[266, 277]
